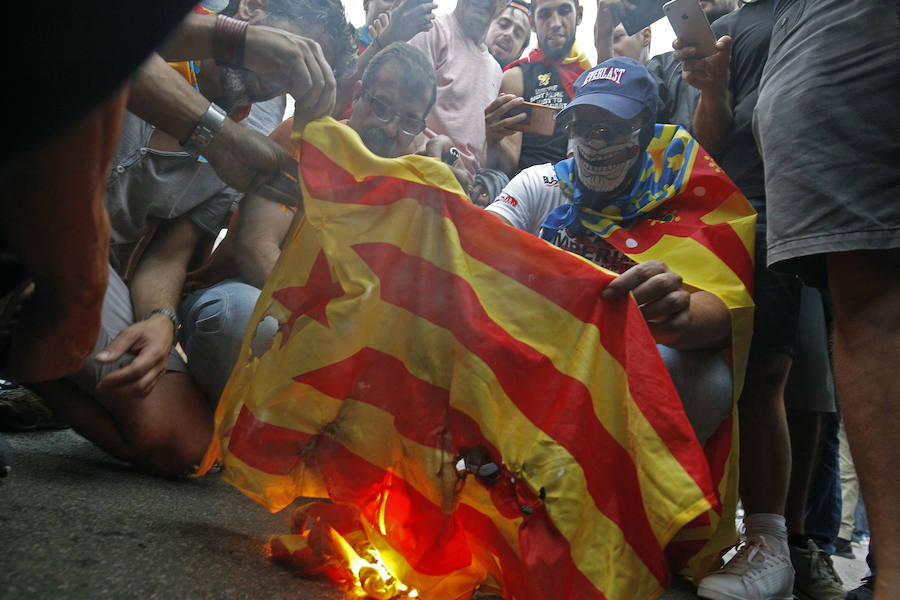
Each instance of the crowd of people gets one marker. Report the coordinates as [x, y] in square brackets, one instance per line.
[119, 316]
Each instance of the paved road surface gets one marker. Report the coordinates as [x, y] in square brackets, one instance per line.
[75, 523]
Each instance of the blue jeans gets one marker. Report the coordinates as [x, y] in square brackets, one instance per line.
[704, 384]
[214, 322]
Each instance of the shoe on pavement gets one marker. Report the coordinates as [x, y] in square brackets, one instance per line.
[757, 572]
[864, 592]
[23, 410]
[843, 548]
[815, 577]
[5, 457]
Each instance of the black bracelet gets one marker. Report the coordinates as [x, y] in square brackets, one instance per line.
[378, 42]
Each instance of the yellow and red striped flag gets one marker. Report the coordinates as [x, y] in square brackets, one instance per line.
[416, 331]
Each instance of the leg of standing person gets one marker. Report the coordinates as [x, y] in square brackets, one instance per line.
[866, 291]
[849, 498]
[831, 84]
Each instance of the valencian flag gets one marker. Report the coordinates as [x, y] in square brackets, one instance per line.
[459, 385]
[684, 211]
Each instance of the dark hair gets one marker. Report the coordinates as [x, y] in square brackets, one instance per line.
[329, 15]
[533, 2]
[417, 73]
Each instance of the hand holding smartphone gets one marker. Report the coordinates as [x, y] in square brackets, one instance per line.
[690, 26]
[540, 119]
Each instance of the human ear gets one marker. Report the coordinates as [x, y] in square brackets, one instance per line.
[252, 10]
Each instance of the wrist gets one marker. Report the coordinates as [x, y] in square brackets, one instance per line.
[205, 130]
[169, 315]
[229, 40]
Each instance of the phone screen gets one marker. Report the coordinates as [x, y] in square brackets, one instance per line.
[522, 108]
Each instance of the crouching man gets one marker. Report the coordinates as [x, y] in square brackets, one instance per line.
[630, 200]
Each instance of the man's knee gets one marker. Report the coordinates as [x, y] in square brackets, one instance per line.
[222, 310]
[704, 383]
[168, 431]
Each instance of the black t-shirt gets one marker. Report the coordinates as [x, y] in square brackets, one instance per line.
[750, 29]
[677, 99]
[542, 85]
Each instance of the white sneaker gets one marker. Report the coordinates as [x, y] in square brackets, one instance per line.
[757, 572]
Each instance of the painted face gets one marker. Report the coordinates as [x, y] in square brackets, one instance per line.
[606, 147]
[555, 22]
[386, 118]
[507, 35]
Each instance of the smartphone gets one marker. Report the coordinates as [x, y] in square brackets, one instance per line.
[540, 120]
[645, 13]
[690, 26]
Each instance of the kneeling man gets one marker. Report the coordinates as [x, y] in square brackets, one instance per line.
[627, 176]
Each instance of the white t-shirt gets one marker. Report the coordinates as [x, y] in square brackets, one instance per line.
[468, 79]
[527, 200]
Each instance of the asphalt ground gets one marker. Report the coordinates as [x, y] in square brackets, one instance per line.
[75, 523]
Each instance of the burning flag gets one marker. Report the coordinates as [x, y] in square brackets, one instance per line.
[456, 388]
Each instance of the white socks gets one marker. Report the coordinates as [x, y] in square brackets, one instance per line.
[770, 525]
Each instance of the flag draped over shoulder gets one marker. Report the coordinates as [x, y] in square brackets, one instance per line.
[418, 333]
[685, 212]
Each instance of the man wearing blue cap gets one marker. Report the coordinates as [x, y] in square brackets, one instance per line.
[647, 202]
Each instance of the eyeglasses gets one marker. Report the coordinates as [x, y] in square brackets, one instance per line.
[603, 131]
[384, 113]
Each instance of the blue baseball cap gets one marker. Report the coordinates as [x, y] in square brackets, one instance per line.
[620, 85]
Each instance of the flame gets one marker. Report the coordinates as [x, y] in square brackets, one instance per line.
[373, 579]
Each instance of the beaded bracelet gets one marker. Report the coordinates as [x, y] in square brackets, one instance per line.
[229, 39]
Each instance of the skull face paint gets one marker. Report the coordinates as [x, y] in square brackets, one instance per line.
[606, 148]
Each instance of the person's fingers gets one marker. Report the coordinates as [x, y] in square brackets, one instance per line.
[282, 188]
[512, 120]
[667, 306]
[119, 346]
[657, 287]
[320, 98]
[136, 378]
[675, 325]
[632, 278]
[502, 105]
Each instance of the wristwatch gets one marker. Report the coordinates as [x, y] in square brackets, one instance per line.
[205, 130]
[176, 322]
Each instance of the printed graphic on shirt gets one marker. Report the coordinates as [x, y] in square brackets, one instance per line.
[594, 248]
[507, 199]
[549, 91]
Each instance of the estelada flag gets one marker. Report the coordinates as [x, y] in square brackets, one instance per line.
[683, 210]
[418, 334]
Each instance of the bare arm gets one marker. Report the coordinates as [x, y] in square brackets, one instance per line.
[243, 158]
[292, 62]
[678, 318]
[714, 113]
[607, 19]
[400, 24]
[156, 284]
[503, 146]
[262, 227]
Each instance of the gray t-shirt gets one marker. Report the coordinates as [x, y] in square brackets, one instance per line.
[147, 185]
